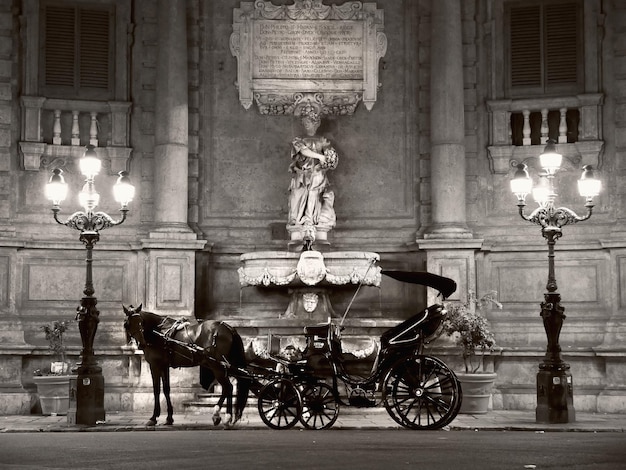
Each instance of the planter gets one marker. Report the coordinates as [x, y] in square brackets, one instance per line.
[476, 392]
[54, 393]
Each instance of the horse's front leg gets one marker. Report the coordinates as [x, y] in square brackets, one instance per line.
[156, 391]
[166, 391]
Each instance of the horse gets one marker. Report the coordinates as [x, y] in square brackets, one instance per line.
[217, 340]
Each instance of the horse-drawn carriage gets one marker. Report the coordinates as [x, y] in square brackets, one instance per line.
[417, 390]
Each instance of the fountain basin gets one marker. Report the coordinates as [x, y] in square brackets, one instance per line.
[281, 268]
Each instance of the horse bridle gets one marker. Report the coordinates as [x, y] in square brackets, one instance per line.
[134, 333]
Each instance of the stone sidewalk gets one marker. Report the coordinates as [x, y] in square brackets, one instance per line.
[349, 418]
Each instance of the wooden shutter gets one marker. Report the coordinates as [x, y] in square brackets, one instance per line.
[561, 24]
[545, 49]
[77, 49]
[526, 46]
[94, 53]
[60, 33]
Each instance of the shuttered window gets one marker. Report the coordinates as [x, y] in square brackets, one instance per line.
[77, 50]
[545, 47]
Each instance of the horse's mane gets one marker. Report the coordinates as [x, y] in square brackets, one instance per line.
[150, 320]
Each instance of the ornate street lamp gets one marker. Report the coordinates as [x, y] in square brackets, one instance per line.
[554, 382]
[89, 388]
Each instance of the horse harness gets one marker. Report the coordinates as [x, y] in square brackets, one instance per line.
[183, 324]
[176, 326]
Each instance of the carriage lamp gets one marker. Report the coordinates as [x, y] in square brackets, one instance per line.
[554, 381]
[89, 386]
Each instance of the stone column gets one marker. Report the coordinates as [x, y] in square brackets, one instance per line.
[171, 118]
[170, 247]
[449, 245]
[447, 124]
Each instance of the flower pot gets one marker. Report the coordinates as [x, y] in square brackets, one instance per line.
[54, 393]
[476, 392]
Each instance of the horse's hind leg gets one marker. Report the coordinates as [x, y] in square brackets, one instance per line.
[166, 391]
[227, 393]
[217, 417]
[207, 378]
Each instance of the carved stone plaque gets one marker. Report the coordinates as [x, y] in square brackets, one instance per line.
[324, 50]
[292, 54]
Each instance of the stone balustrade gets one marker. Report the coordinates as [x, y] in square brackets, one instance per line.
[59, 128]
[520, 129]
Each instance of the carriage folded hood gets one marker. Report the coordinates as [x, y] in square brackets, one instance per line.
[444, 285]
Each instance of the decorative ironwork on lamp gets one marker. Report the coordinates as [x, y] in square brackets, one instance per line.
[554, 382]
[89, 391]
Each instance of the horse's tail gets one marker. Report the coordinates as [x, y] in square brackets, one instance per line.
[238, 358]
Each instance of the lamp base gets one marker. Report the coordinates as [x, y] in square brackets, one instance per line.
[86, 399]
[555, 397]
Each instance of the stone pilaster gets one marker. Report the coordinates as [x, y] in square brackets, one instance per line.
[13, 397]
[171, 246]
[447, 241]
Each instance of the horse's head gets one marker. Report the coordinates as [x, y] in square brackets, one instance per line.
[133, 324]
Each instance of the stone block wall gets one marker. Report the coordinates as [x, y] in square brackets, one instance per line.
[237, 191]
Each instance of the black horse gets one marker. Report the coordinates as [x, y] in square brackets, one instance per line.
[217, 340]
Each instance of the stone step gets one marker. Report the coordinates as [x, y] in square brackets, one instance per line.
[205, 400]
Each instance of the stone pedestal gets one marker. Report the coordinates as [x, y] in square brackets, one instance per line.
[86, 399]
[454, 259]
[170, 274]
[13, 347]
[555, 397]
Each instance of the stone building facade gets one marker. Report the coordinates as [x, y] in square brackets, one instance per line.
[423, 181]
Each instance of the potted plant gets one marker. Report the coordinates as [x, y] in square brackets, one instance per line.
[471, 332]
[53, 385]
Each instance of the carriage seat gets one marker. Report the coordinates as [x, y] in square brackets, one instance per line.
[317, 338]
[424, 324]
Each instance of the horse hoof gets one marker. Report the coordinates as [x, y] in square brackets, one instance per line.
[216, 420]
[169, 421]
[230, 425]
[228, 422]
[151, 422]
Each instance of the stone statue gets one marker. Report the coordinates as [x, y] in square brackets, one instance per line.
[311, 199]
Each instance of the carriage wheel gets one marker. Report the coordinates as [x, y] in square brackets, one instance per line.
[279, 404]
[319, 407]
[422, 393]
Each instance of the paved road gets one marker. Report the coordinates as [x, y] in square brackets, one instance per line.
[297, 449]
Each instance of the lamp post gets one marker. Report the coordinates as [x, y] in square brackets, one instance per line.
[89, 387]
[554, 382]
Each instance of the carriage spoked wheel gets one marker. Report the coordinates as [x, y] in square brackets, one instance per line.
[320, 409]
[422, 393]
[280, 405]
